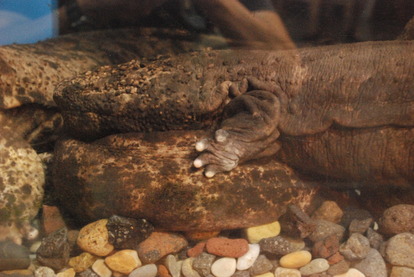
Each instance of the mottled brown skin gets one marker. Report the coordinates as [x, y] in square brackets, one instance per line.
[291, 97]
[21, 186]
[375, 156]
[29, 73]
[150, 176]
[37, 125]
[29, 120]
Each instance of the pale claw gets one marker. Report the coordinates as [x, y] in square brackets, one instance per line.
[198, 163]
[209, 173]
[201, 145]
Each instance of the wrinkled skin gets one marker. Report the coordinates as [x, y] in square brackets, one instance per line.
[29, 73]
[29, 119]
[354, 99]
[150, 176]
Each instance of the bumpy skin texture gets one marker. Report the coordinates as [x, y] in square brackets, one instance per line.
[291, 96]
[29, 73]
[150, 176]
[21, 186]
[28, 76]
[37, 125]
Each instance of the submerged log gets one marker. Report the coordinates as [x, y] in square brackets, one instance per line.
[29, 73]
[150, 176]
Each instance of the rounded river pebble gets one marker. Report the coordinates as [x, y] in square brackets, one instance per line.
[174, 266]
[248, 259]
[93, 238]
[101, 269]
[296, 259]
[315, 266]
[400, 250]
[255, 234]
[187, 268]
[330, 211]
[261, 266]
[202, 263]
[82, 262]
[44, 271]
[224, 267]
[280, 245]
[287, 272]
[149, 270]
[123, 261]
[397, 219]
[352, 272]
[355, 248]
[372, 265]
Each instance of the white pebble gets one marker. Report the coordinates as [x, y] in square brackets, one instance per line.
[247, 260]
[352, 272]
[287, 272]
[149, 270]
[224, 267]
[44, 271]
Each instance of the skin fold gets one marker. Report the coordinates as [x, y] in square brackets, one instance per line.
[257, 100]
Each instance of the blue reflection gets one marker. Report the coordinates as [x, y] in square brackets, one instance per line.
[27, 21]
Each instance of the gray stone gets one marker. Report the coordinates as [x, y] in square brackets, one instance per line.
[355, 248]
[174, 266]
[13, 256]
[375, 239]
[202, 263]
[360, 225]
[280, 245]
[149, 270]
[324, 229]
[260, 266]
[373, 265]
[400, 250]
[397, 219]
[315, 266]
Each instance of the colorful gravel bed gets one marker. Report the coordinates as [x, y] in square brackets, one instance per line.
[331, 242]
